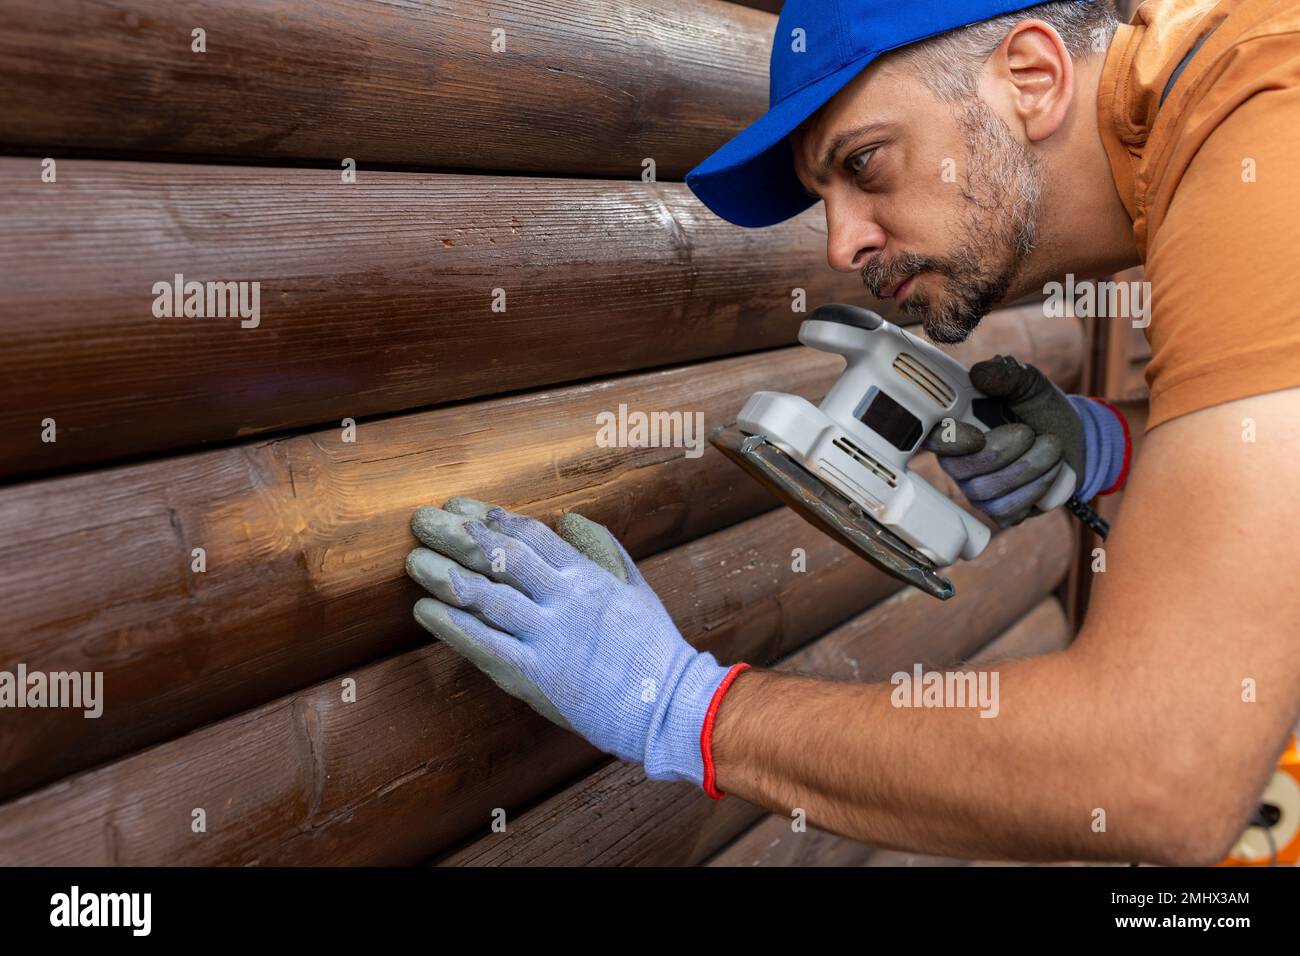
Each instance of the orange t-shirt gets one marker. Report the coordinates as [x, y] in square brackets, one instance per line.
[1211, 179]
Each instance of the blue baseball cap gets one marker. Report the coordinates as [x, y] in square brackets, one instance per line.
[751, 181]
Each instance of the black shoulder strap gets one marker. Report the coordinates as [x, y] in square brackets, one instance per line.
[1182, 65]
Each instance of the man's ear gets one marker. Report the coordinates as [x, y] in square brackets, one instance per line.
[1032, 75]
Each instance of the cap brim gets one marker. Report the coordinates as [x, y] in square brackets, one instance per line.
[750, 181]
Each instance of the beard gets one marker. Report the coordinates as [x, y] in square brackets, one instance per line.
[1001, 197]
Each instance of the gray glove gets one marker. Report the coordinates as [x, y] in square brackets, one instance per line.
[593, 651]
[1005, 472]
[443, 531]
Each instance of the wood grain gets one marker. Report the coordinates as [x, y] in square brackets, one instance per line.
[304, 540]
[310, 778]
[430, 747]
[616, 816]
[375, 297]
[581, 87]
[773, 841]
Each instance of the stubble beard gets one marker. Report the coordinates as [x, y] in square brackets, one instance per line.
[1002, 194]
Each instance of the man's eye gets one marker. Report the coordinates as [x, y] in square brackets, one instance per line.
[857, 163]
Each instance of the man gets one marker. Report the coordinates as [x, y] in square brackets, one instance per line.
[1079, 147]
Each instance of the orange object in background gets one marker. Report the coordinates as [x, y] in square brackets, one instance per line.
[1282, 792]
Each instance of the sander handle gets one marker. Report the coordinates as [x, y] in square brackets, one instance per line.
[858, 334]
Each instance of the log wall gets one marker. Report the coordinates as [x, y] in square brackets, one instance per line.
[212, 512]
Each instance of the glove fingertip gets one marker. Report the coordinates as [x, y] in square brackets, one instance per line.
[966, 440]
[432, 616]
[632, 572]
[999, 377]
[468, 507]
[430, 526]
[459, 629]
[421, 518]
[593, 540]
[422, 565]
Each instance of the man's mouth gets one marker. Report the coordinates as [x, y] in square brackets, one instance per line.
[899, 290]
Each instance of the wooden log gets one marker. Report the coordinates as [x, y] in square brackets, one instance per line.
[303, 543]
[304, 540]
[315, 778]
[773, 842]
[1044, 630]
[617, 816]
[374, 297]
[581, 86]
[308, 779]
[894, 858]
[429, 748]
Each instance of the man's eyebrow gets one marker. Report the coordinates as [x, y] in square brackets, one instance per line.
[837, 143]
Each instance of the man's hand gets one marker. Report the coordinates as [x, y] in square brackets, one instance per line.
[575, 631]
[1006, 471]
[1168, 711]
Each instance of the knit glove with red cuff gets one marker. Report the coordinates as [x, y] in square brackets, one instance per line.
[1005, 471]
[566, 623]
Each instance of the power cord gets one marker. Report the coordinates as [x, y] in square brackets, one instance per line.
[1089, 517]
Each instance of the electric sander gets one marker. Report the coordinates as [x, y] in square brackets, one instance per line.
[844, 465]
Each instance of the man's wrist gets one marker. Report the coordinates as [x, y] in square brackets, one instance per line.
[1107, 447]
[675, 742]
[730, 745]
[710, 781]
[1127, 457]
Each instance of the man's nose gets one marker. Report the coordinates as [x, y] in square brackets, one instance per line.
[852, 237]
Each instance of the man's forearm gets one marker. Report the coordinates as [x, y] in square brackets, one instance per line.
[1025, 784]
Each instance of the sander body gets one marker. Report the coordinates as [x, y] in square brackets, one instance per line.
[845, 464]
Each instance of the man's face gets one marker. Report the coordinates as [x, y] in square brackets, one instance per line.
[935, 203]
